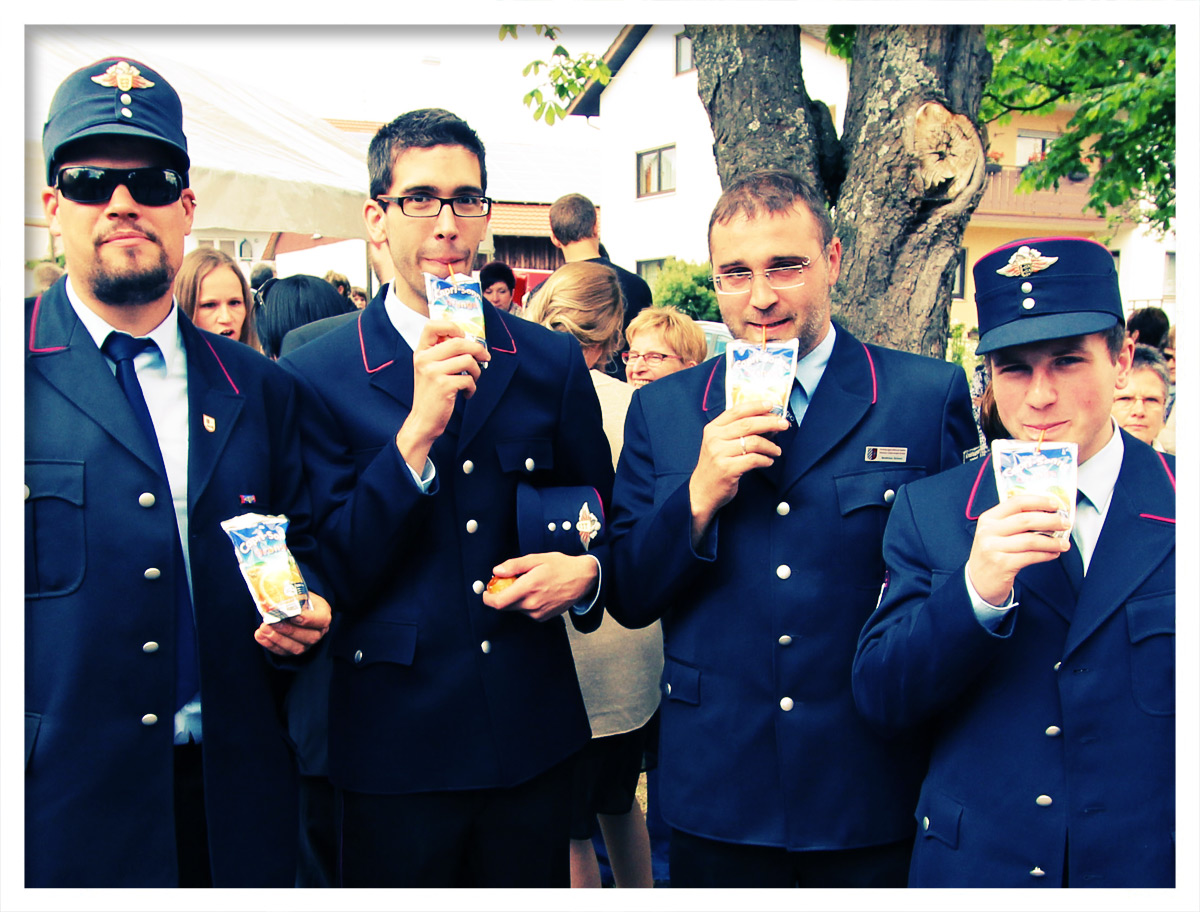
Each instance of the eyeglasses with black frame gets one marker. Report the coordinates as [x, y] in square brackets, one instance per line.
[739, 281]
[260, 293]
[148, 186]
[651, 358]
[421, 205]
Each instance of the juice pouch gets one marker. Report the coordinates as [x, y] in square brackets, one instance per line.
[267, 565]
[459, 300]
[756, 372]
[1027, 467]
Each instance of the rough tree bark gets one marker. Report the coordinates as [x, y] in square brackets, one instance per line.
[911, 154]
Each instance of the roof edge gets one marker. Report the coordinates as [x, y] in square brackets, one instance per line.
[587, 102]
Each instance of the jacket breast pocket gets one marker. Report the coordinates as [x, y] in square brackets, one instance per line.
[55, 552]
[875, 488]
[1152, 652]
[525, 456]
[374, 642]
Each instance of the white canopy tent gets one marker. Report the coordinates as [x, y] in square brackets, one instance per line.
[259, 164]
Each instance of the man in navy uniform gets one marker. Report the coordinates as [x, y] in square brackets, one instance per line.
[758, 544]
[1042, 666]
[454, 711]
[142, 435]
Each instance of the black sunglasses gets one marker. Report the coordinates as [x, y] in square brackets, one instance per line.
[147, 186]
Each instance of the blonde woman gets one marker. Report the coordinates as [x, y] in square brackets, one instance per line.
[662, 340]
[213, 292]
[618, 669]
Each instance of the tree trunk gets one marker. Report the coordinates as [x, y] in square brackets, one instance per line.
[907, 176]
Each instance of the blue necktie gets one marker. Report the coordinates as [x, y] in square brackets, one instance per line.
[122, 349]
[798, 402]
[1072, 561]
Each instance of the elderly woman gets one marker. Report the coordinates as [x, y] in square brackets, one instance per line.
[213, 292]
[662, 340]
[618, 669]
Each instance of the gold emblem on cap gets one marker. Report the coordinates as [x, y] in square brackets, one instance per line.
[210, 423]
[588, 526]
[123, 76]
[1025, 262]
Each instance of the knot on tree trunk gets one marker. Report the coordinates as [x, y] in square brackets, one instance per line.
[947, 148]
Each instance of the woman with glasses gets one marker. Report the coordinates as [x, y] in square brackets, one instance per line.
[213, 292]
[662, 340]
[618, 669]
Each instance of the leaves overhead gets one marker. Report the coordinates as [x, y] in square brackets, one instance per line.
[1121, 82]
[566, 76]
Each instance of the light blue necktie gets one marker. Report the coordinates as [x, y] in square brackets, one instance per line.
[798, 402]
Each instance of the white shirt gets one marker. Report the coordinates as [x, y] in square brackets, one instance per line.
[162, 376]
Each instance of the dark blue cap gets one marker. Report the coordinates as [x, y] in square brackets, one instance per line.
[115, 97]
[1045, 288]
[569, 519]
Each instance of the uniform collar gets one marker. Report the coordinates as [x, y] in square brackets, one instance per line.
[1098, 476]
[811, 368]
[165, 335]
[403, 318]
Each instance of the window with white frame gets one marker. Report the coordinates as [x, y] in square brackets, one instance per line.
[656, 171]
[1032, 144]
[649, 269]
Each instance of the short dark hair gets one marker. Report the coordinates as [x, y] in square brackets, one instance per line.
[1151, 325]
[295, 301]
[260, 273]
[771, 191]
[494, 272]
[420, 129]
[573, 218]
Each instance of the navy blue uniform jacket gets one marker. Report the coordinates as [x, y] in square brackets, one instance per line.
[1058, 728]
[99, 697]
[760, 740]
[433, 690]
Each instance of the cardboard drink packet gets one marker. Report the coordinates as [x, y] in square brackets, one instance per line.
[760, 372]
[267, 565]
[458, 299]
[1030, 467]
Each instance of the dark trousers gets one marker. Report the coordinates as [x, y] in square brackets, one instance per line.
[700, 862]
[317, 859]
[191, 826]
[497, 837]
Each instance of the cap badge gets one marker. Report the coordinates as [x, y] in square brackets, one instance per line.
[1025, 262]
[122, 76]
[588, 526]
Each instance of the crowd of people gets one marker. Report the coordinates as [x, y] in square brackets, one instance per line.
[535, 553]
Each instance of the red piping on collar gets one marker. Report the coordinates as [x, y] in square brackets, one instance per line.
[708, 386]
[222, 366]
[975, 487]
[1167, 469]
[507, 351]
[1165, 519]
[362, 344]
[33, 329]
[874, 381]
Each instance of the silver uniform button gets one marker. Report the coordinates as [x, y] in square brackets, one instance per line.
[146, 499]
[551, 527]
[152, 573]
[1057, 666]
[485, 646]
[783, 571]
[472, 525]
[889, 495]
[478, 586]
[149, 647]
[786, 704]
[1026, 287]
[785, 640]
[125, 112]
[566, 525]
[1044, 801]
[784, 508]
[149, 719]
[1053, 731]
[925, 823]
[1028, 303]
[529, 464]
[126, 99]
[668, 688]
[357, 656]
[27, 492]
[468, 467]
[1038, 872]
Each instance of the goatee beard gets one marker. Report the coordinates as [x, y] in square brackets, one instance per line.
[132, 290]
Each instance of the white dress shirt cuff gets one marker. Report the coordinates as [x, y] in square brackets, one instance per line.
[988, 615]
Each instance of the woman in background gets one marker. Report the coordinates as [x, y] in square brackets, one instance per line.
[213, 292]
[662, 340]
[284, 304]
[618, 669]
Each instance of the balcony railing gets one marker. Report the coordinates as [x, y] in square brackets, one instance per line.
[1068, 201]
